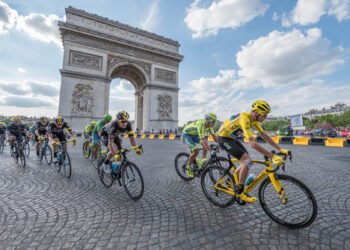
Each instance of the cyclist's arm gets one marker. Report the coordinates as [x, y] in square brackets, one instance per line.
[206, 144]
[268, 139]
[132, 141]
[112, 146]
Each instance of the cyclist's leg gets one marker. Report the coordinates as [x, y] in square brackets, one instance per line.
[192, 142]
[38, 143]
[96, 144]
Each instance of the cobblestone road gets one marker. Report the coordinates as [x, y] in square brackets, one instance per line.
[39, 209]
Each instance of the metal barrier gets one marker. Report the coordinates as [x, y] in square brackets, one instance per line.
[172, 137]
[161, 137]
[286, 140]
[152, 136]
[317, 141]
[301, 141]
[143, 136]
[335, 142]
[276, 139]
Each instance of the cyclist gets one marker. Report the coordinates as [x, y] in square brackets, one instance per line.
[16, 130]
[113, 129]
[244, 122]
[197, 133]
[41, 129]
[56, 133]
[88, 130]
[2, 129]
[96, 133]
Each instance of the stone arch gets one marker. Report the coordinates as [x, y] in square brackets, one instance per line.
[96, 50]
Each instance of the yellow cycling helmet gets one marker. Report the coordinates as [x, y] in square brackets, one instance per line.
[59, 120]
[261, 106]
[122, 116]
[93, 124]
[16, 119]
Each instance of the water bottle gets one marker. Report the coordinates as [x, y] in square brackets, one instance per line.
[115, 166]
[249, 179]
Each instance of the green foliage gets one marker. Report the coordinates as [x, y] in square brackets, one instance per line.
[342, 120]
[269, 125]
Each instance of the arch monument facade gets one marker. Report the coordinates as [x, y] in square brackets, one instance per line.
[97, 50]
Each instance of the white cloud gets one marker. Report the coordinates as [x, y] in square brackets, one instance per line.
[41, 27]
[282, 58]
[21, 70]
[151, 19]
[309, 12]
[205, 21]
[8, 17]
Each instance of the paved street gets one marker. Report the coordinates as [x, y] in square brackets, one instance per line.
[41, 209]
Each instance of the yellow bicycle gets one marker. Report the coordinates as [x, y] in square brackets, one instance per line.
[285, 199]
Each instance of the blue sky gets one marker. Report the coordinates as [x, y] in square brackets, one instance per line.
[294, 54]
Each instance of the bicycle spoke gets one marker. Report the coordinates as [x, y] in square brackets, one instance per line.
[132, 180]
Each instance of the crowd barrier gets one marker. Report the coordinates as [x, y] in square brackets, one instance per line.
[301, 141]
[286, 140]
[317, 141]
[335, 142]
[329, 142]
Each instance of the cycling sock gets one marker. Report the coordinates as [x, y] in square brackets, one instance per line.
[240, 188]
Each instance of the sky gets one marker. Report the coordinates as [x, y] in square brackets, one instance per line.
[293, 54]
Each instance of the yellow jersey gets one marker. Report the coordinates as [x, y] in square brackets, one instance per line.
[240, 123]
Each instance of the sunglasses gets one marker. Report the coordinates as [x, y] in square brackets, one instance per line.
[124, 121]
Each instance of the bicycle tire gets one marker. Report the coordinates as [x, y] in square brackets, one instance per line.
[129, 172]
[48, 159]
[27, 149]
[67, 165]
[21, 157]
[294, 211]
[86, 150]
[209, 177]
[181, 170]
[107, 179]
[2, 146]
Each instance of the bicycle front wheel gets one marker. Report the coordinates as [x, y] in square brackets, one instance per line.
[217, 186]
[67, 166]
[21, 158]
[26, 149]
[180, 166]
[48, 154]
[132, 180]
[298, 209]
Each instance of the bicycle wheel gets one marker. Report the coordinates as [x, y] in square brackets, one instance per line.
[298, 210]
[67, 165]
[2, 145]
[106, 178]
[86, 150]
[21, 157]
[48, 154]
[180, 166]
[214, 176]
[132, 180]
[26, 148]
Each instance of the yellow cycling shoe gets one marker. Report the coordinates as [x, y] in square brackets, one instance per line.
[189, 171]
[247, 198]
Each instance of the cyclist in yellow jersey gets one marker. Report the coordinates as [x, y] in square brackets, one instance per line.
[244, 122]
[196, 133]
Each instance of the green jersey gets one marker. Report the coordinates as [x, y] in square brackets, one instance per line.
[198, 128]
[99, 126]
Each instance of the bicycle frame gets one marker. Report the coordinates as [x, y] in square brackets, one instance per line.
[268, 171]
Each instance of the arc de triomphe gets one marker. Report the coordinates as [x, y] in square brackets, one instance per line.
[97, 50]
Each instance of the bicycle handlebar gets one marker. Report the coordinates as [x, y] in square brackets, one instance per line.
[289, 156]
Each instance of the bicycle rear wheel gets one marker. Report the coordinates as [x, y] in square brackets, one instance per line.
[213, 176]
[298, 210]
[180, 166]
[132, 180]
[67, 166]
